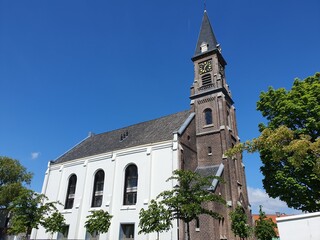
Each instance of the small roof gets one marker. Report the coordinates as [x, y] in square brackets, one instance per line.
[153, 131]
[206, 35]
[212, 170]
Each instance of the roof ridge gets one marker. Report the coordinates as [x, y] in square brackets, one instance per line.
[151, 131]
[139, 123]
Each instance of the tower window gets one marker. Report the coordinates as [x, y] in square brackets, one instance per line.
[197, 225]
[71, 192]
[208, 116]
[206, 79]
[222, 229]
[209, 151]
[98, 189]
[130, 185]
[229, 122]
[204, 47]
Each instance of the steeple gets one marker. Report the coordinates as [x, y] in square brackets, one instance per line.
[206, 41]
[215, 132]
[209, 64]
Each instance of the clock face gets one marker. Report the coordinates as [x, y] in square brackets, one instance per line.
[205, 67]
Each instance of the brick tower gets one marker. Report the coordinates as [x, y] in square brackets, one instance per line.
[216, 131]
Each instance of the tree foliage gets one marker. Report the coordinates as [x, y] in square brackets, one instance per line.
[28, 210]
[188, 199]
[239, 223]
[298, 108]
[289, 144]
[13, 178]
[98, 221]
[54, 222]
[265, 227]
[156, 218]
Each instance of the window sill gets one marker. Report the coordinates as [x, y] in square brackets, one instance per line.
[208, 126]
[65, 211]
[94, 208]
[128, 207]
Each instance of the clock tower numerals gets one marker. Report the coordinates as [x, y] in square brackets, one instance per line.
[205, 67]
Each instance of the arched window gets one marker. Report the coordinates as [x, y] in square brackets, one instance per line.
[71, 192]
[98, 189]
[208, 116]
[130, 185]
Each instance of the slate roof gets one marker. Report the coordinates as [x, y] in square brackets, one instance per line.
[153, 131]
[213, 170]
[208, 170]
[206, 35]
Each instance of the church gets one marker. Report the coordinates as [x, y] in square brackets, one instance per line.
[121, 171]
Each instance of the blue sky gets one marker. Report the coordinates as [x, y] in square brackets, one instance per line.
[71, 67]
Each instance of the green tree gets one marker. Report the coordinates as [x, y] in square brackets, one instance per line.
[154, 219]
[13, 179]
[289, 144]
[54, 222]
[98, 222]
[188, 199]
[239, 223]
[28, 210]
[265, 227]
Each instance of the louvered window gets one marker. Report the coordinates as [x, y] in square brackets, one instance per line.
[206, 79]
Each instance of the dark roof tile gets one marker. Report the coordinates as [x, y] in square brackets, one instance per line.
[153, 131]
[206, 35]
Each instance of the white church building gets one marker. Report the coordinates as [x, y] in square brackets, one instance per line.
[118, 171]
[121, 171]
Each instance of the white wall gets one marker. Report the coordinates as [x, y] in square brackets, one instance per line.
[300, 227]
[155, 164]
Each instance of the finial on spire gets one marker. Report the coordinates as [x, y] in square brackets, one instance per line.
[205, 6]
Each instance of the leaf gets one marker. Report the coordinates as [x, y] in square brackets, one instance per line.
[98, 221]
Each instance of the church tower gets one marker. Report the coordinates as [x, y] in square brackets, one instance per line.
[216, 130]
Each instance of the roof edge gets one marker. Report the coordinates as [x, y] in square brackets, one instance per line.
[186, 123]
[54, 161]
[218, 174]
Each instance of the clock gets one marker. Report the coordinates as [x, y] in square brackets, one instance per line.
[205, 67]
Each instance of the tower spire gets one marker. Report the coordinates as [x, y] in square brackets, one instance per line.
[206, 40]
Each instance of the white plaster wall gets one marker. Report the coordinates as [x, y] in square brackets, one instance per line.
[298, 227]
[155, 164]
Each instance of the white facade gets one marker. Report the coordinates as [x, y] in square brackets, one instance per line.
[155, 164]
[194, 139]
[298, 227]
